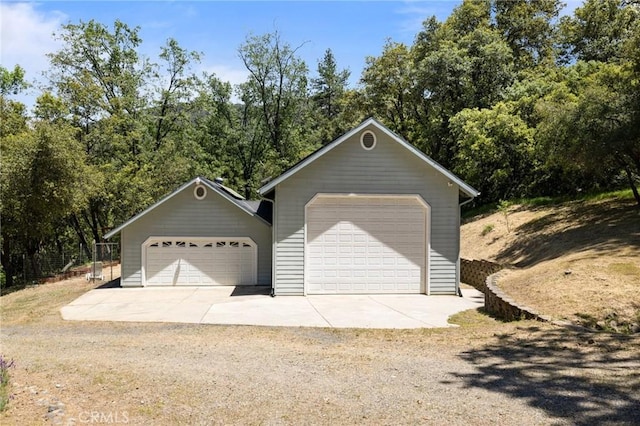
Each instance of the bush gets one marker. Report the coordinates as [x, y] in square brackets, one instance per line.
[487, 229]
[5, 365]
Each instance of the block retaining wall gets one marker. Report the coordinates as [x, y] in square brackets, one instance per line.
[484, 275]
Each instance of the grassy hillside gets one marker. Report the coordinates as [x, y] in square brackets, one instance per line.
[575, 260]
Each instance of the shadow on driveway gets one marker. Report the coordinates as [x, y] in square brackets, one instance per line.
[582, 377]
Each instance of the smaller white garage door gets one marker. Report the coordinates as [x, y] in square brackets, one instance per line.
[200, 261]
[366, 244]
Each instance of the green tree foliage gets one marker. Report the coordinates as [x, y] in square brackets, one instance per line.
[277, 87]
[529, 27]
[387, 82]
[512, 98]
[592, 122]
[600, 30]
[12, 82]
[328, 94]
[496, 150]
[45, 179]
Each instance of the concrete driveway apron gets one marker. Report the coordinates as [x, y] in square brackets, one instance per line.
[253, 306]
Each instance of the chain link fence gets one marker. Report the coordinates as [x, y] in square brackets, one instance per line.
[50, 265]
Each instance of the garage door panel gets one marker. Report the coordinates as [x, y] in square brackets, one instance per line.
[365, 244]
[200, 262]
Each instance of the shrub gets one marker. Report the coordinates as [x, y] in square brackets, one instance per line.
[5, 365]
[487, 229]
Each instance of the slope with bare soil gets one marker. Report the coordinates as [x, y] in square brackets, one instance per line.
[578, 260]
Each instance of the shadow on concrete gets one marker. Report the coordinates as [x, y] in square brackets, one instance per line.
[115, 283]
[601, 227]
[582, 377]
[250, 290]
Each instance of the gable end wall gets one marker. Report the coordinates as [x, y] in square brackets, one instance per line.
[184, 216]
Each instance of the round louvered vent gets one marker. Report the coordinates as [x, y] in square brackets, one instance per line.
[200, 192]
[368, 140]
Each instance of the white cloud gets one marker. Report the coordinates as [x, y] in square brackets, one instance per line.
[414, 13]
[26, 36]
[234, 75]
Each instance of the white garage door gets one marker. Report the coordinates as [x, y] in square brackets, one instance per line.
[364, 244]
[200, 261]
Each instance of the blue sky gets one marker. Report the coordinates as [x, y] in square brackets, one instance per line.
[352, 29]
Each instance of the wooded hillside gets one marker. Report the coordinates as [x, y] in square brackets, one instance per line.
[516, 100]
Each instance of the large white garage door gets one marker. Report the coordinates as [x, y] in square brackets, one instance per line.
[200, 261]
[365, 244]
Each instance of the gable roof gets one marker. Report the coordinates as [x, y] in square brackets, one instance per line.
[257, 209]
[464, 187]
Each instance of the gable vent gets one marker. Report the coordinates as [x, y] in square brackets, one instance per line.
[200, 192]
[368, 140]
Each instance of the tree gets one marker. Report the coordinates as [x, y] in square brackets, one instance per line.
[495, 151]
[529, 28]
[277, 84]
[461, 63]
[173, 107]
[44, 180]
[592, 121]
[12, 82]
[600, 30]
[99, 76]
[328, 96]
[387, 82]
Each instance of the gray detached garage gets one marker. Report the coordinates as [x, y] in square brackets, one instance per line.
[366, 214]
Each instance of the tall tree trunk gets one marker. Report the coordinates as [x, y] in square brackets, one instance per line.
[6, 263]
[33, 261]
[75, 224]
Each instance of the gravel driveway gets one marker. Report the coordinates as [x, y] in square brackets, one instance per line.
[487, 374]
[484, 372]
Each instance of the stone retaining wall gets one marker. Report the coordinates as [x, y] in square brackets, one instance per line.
[475, 272]
[484, 275]
[502, 306]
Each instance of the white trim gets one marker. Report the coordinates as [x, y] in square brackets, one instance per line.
[195, 192]
[375, 140]
[274, 247]
[157, 239]
[425, 284]
[464, 187]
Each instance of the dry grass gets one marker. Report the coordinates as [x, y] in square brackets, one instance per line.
[576, 260]
[483, 372]
[43, 302]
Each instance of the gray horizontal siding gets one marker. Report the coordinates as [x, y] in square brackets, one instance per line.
[387, 169]
[184, 216]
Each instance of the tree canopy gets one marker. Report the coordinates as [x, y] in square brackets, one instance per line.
[515, 99]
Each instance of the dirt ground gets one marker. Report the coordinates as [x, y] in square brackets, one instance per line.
[578, 261]
[483, 373]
